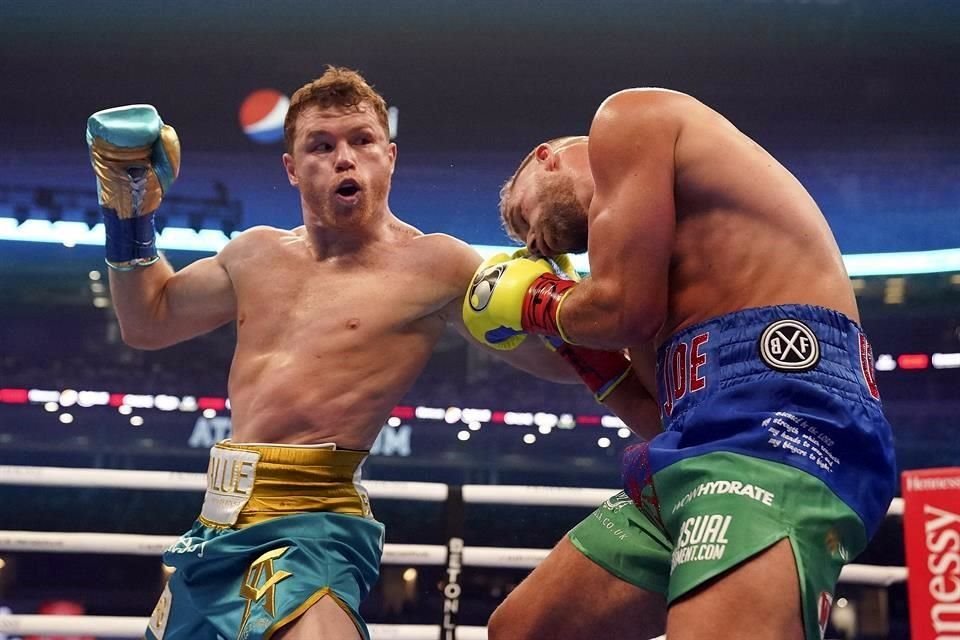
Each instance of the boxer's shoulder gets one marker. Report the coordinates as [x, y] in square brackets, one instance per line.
[255, 243]
[650, 114]
[641, 106]
[646, 101]
[441, 243]
[457, 259]
[261, 237]
[444, 264]
[433, 249]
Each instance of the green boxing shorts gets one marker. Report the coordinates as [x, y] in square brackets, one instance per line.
[773, 429]
[720, 510]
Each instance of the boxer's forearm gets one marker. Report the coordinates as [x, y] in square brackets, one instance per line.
[138, 302]
[632, 403]
[597, 315]
[536, 359]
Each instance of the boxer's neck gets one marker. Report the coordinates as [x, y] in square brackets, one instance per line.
[329, 241]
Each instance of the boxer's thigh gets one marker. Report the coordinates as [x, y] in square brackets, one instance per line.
[758, 547]
[757, 599]
[327, 618]
[609, 575]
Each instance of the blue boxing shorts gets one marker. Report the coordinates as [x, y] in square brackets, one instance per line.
[281, 527]
[773, 430]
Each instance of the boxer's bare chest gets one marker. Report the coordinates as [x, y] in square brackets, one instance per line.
[284, 294]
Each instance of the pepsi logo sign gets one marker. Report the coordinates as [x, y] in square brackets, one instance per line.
[262, 114]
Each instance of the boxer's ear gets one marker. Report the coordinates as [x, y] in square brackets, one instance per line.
[546, 156]
[291, 169]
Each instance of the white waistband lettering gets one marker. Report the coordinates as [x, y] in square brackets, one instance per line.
[230, 480]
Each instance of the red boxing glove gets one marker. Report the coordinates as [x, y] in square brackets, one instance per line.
[601, 371]
[541, 305]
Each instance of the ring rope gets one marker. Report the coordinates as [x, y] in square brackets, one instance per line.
[132, 627]
[394, 554]
[182, 481]
[378, 489]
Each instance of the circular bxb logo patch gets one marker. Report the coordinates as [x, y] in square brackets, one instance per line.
[483, 285]
[789, 345]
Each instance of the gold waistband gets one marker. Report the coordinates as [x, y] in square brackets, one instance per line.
[276, 480]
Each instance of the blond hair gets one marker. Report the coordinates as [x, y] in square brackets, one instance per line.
[337, 87]
[507, 189]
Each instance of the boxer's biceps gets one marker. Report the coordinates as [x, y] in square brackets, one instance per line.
[200, 297]
[157, 308]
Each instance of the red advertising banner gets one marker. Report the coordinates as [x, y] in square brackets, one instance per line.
[931, 534]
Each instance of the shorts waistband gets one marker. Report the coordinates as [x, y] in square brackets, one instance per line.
[315, 455]
[764, 345]
[250, 483]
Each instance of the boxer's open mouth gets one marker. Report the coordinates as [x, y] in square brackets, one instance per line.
[348, 187]
[348, 191]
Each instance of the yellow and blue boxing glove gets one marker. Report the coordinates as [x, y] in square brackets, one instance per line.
[136, 157]
[511, 296]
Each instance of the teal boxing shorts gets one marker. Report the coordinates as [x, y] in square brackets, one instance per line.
[264, 549]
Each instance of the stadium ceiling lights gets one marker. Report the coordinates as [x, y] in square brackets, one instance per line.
[71, 233]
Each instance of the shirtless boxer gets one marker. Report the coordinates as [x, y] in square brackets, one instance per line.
[334, 319]
[776, 464]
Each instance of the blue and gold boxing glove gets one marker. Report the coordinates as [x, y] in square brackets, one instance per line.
[136, 157]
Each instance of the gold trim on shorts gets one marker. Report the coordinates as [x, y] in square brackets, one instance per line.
[286, 480]
[316, 597]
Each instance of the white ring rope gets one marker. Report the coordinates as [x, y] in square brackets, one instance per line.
[378, 489]
[873, 575]
[395, 554]
[181, 481]
[535, 496]
[110, 626]
[132, 627]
